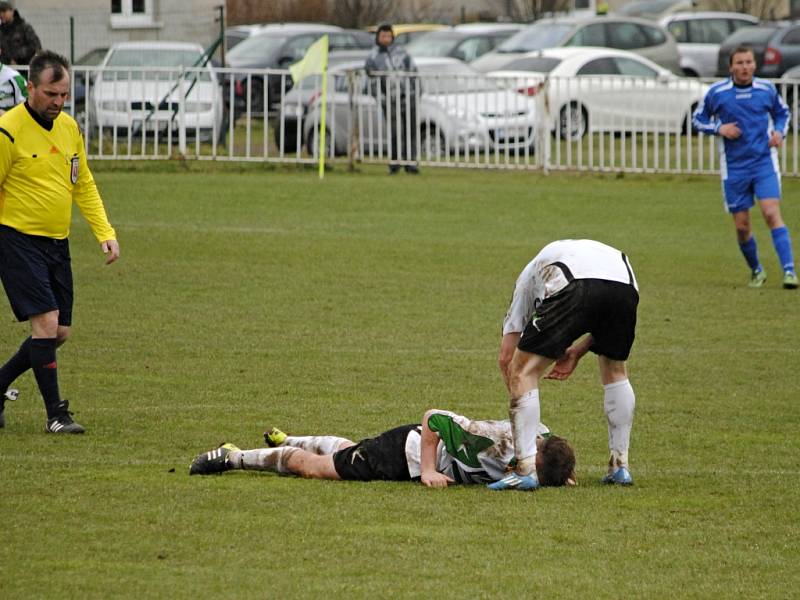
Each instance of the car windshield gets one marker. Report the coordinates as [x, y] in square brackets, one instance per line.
[153, 57]
[433, 44]
[257, 46]
[750, 35]
[538, 64]
[536, 37]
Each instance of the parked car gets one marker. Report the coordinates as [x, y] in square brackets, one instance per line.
[776, 47]
[790, 80]
[297, 100]
[654, 9]
[459, 111]
[77, 101]
[239, 33]
[638, 35]
[274, 47]
[405, 33]
[699, 35]
[139, 89]
[601, 89]
[464, 42]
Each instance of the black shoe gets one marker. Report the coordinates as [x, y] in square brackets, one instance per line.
[393, 169]
[62, 422]
[412, 169]
[213, 461]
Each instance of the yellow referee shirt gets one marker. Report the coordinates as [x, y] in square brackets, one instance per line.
[42, 172]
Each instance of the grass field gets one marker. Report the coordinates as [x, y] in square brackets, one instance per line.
[349, 306]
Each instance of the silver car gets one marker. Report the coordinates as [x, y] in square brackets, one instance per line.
[622, 33]
[699, 35]
[459, 112]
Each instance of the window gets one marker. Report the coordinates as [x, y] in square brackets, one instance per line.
[599, 66]
[132, 14]
[655, 36]
[708, 31]
[591, 35]
[679, 31]
[792, 38]
[627, 36]
[634, 68]
[471, 49]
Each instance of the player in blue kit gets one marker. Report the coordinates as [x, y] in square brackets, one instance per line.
[751, 120]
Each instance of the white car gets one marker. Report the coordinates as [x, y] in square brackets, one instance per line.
[149, 86]
[459, 111]
[600, 89]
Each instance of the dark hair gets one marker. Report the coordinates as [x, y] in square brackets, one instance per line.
[740, 50]
[47, 59]
[383, 27]
[557, 463]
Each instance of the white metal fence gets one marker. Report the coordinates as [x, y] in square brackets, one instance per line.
[598, 123]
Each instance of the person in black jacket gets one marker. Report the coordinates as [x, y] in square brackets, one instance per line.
[18, 40]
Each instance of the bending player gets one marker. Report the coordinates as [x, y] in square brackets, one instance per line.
[446, 448]
[570, 289]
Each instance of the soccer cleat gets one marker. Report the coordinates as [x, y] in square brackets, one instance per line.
[11, 394]
[757, 279]
[790, 280]
[274, 437]
[62, 422]
[619, 477]
[213, 461]
[513, 481]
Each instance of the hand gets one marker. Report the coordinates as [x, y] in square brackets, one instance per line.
[435, 479]
[564, 366]
[730, 131]
[775, 140]
[111, 248]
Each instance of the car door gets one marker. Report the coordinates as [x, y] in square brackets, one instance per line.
[652, 102]
[789, 48]
[705, 36]
[595, 88]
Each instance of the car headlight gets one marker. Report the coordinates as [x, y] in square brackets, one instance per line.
[198, 106]
[115, 105]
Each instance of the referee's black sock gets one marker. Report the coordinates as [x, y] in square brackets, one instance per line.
[16, 366]
[43, 362]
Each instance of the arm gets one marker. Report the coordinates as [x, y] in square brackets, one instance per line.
[567, 363]
[703, 118]
[429, 476]
[88, 200]
[780, 118]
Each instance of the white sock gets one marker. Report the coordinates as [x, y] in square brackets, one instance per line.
[619, 402]
[263, 459]
[525, 416]
[316, 444]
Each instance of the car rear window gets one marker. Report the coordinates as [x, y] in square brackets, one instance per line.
[536, 37]
[750, 35]
[792, 37]
[540, 64]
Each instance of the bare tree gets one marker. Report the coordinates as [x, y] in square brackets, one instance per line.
[425, 11]
[361, 13]
[258, 11]
[763, 9]
[530, 10]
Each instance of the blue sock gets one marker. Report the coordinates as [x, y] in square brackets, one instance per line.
[783, 246]
[750, 251]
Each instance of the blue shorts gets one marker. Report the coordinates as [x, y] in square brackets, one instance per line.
[37, 274]
[738, 190]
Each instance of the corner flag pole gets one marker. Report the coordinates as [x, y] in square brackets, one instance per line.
[322, 117]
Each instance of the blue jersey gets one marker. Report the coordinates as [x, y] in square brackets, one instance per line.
[758, 110]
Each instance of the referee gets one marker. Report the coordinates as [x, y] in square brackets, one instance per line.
[42, 170]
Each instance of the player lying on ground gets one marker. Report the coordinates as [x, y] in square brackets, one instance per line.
[447, 448]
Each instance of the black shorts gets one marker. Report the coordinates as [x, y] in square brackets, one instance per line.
[606, 309]
[378, 458]
[36, 273]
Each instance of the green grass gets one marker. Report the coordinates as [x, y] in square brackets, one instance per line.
[253, 297]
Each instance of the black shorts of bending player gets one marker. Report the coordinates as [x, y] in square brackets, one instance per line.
[36, 273]
[606, 309]
[380, 458]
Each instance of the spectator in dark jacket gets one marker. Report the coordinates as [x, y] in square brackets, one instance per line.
[397, 95]
[18, 40]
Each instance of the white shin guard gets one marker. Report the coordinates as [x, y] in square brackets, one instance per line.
[263, 459]
[525, 415]
[619, 402]
[316, 444]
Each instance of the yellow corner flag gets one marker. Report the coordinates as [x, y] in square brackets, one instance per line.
[315, 62]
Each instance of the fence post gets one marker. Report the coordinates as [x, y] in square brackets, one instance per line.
[181, 113]
[71, 40]
[352, 148]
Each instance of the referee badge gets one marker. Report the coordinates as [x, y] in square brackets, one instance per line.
[73, 173]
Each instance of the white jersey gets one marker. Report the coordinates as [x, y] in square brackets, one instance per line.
[468, 451]
[554, 267]
[12, 88]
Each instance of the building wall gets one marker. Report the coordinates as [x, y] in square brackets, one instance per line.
[174, 20]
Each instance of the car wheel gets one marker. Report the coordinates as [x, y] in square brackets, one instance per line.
[312, 143]
[573, 121]
[431, 143]
[686, 125]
